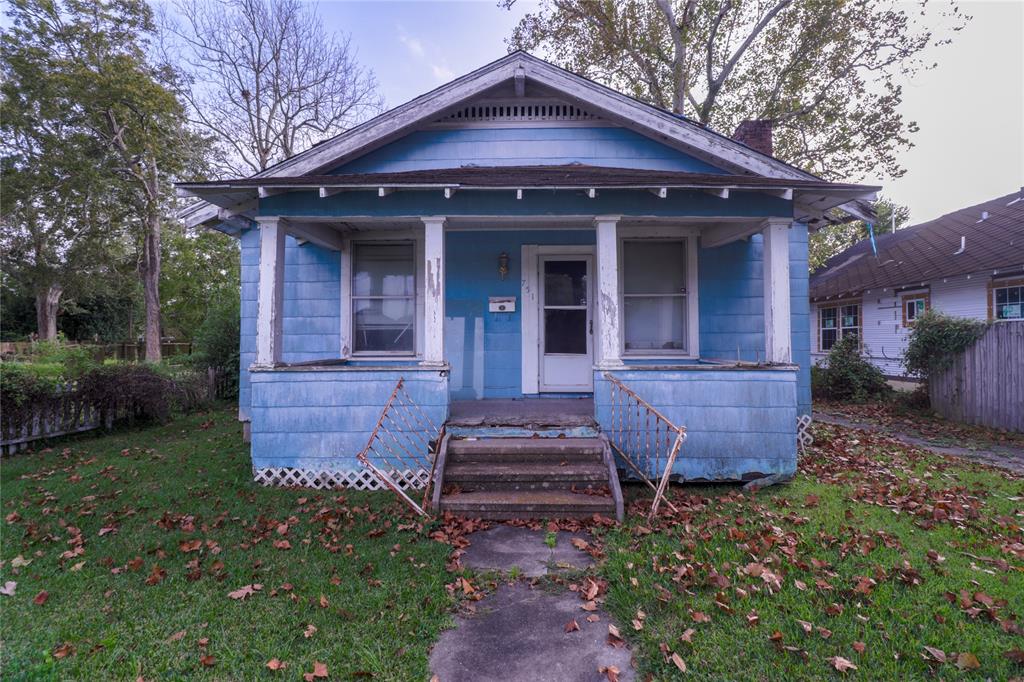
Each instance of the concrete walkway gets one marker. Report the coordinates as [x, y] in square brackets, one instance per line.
[1005, 457]
[519, 632]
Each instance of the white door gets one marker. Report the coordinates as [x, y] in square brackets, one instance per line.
[566, 323]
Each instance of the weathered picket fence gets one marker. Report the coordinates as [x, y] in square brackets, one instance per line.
[985, 384]
[68, 412]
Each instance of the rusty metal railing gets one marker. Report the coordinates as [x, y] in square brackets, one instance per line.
[645, 439]
[406, 441]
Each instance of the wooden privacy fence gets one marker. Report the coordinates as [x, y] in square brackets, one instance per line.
[985, 384]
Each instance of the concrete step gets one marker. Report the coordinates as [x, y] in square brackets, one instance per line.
[527, 504]
[524, 450]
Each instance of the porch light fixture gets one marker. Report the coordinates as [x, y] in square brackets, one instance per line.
[503, 265]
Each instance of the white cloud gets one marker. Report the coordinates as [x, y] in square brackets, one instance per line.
[414, 45]
[442, 73]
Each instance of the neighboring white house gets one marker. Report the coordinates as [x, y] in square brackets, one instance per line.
[969, 263]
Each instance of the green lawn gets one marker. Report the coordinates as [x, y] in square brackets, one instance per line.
[141, 501]
[871, 545]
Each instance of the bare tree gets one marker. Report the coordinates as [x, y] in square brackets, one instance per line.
[266, 79]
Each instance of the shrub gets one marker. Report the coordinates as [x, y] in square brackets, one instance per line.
[216, 343]
[21, 390]
[146, 393]
[848, 376]
[935, 339]
[63, 360]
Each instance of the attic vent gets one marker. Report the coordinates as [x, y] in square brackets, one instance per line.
[519, 110]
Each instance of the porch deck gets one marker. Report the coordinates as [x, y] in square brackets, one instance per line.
[524, 412]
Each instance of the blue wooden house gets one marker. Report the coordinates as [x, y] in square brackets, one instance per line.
[531, 254]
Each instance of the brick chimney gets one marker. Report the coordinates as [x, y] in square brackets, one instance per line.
[755, 134]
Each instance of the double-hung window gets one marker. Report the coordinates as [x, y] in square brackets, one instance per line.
[1009, 302]
[654, 297]
[383, 297]
[837, 322]
[914, 306]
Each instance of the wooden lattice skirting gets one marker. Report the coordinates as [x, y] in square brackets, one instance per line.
[358, 479]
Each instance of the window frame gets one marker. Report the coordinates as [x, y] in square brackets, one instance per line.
[688, 238]
[348, 318]
[994, 286]
[840, 329]
[906, 299]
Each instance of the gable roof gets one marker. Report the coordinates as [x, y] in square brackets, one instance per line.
[992, 234]
[523, 68]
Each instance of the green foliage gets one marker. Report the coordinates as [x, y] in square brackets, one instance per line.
[848, 376]
[21, 388]
[201, 270]
[936, 338]
[217, 340]
[73, 360]
[828, 73]
[152, 394]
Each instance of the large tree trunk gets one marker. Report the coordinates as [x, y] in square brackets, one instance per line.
[47, 303]
[149, 271]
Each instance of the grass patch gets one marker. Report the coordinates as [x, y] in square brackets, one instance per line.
[357, 569]
[870, 547]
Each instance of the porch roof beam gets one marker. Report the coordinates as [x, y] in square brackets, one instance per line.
[720, 235]
[320, 234]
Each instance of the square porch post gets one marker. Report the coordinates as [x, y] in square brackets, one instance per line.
[777, 319]
[609, 346]
[433, 291]
[270, 293]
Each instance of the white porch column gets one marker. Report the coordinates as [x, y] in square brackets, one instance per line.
[609, 341]
[433, 290]
[778, 346]
[270, 296]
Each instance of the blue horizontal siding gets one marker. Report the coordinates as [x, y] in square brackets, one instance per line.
[522, 146]
[739, 422]
[321, 420]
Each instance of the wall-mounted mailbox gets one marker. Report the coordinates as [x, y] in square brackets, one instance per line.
[501, 304]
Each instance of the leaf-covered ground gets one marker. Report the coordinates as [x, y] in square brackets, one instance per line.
[151, 554]
[877, 562]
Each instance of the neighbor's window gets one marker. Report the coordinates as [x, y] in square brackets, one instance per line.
[383, 297]
[836, 322]
[654, 296]
[914, 306]
[1009, 302]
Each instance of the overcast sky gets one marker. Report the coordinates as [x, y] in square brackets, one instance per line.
[970, 108]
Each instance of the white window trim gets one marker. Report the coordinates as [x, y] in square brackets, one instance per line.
[839, 305]
[995, 313]
[655, 233]
[347, 318]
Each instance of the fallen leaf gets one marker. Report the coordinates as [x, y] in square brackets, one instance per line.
[63, 650]
[208, 660]
[700, 617]
[936, 654]
[580, 544]
[41, 598]
[859, 647]
[323, 602]
[808, 627]
[841, 664]
[309, 631]
[687, 635]
[245, 591]
[589, 606]
[967, 661]
[319, 670]
[156, 575]
[20, 561]
[1015, 655]
[572, 626]
[177, 636]
[611, 672]
[282, 544]
[8, 589]
[78, 566]
[678, 661]
[276, 664]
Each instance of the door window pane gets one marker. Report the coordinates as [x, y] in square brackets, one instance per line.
[565, 331]
[654, 267]
[655, 323]
[384, 325]
[565, 282]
